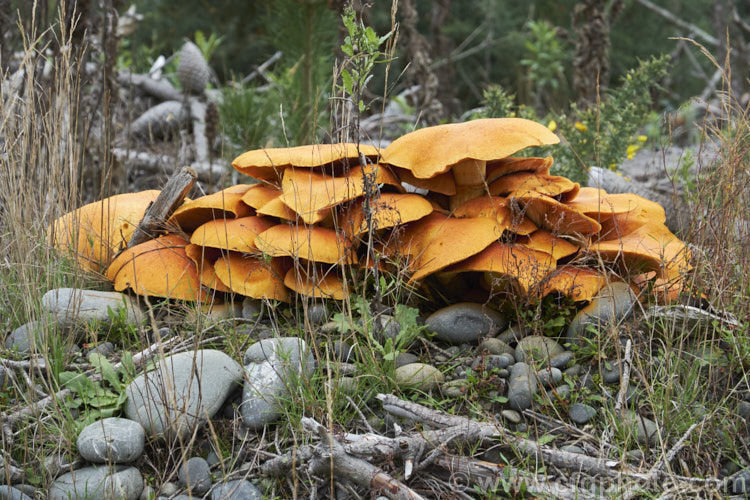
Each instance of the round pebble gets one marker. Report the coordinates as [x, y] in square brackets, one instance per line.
[118, 481]
[571, 448]
[549, 377]
[611, 372]
[239, 489]
[561, 360]
[419, 376]
[511, 416]
[405, 358]
[537, 348]
[342, 351]
[195, 476]
[111, 440]
[581, 413]
[317, 314]
[496, 346]
[465, 322]
[741, 483]
[523, 385]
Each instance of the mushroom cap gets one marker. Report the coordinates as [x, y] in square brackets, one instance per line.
[598, 204]
[158, 267]
[253, 276]
[497, 208]
[95, 232]
[325, 285]
[233, 234]
[437, 241]
[551, 185]
[269, 164]
[548, 213]
[266, 200]
[577, 283]
[510, 165]
[525, 266]
[430, 151]
[441, 183]
[650, 247]
[205, 258]
[388, 210]
[222, 205]
[544, 241]
[312, 243]
[309, 192]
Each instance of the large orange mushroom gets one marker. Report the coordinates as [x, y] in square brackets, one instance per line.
[269, 164]
[95, 232]
[225, 204]
[253, 276]
[158, 267]
[314, 244]
[464, 149]
[238, 235]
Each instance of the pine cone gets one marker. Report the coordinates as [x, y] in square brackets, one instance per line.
[192, 70]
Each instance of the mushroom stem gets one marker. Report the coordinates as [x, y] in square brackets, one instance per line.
[470, 181]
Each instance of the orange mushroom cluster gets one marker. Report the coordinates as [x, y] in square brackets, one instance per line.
[449, 201]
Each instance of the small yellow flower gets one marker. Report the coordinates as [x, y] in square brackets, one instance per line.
[612, 166]
[632, 149]
[552, 125]
[642, 138]
[580, 127]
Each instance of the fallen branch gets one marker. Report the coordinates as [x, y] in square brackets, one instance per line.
[162, 163]
[160, 210]
[477, 472]
[161, 89]
[699, 33]
[260, 70]
[559, 458]
[625, 378]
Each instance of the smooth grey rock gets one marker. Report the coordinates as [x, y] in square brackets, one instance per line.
[573, 371]
[581, 413]
[385, 325]
[71, 305]
[111, 440]
[405, 358]
[492, 361]
[239, 489]
[561, 360]
[183, 392]
[252, 309]
[741, 483]
[418, 376]
[561, 392]
[614, 302]
[8, 492]
[455, 388]
[286, 352]
[342, 351]
[743, 409]
[496, 346]
[348, 385]
[514, 334]
[104, 349]
[148, 493]
[511, 416]
[169, 489]
[645, 429]
[95, 483]
[317, 314]
[522, 387]
[195, 476]
[25, 336]
[270, 365]
[549, 377]
[465, 322]
[537, 348]
[611, 372]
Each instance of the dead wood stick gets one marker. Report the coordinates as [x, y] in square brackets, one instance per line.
[699, 33]
[160, 210]
[563, 459]
[474, 472]
[625, 379]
